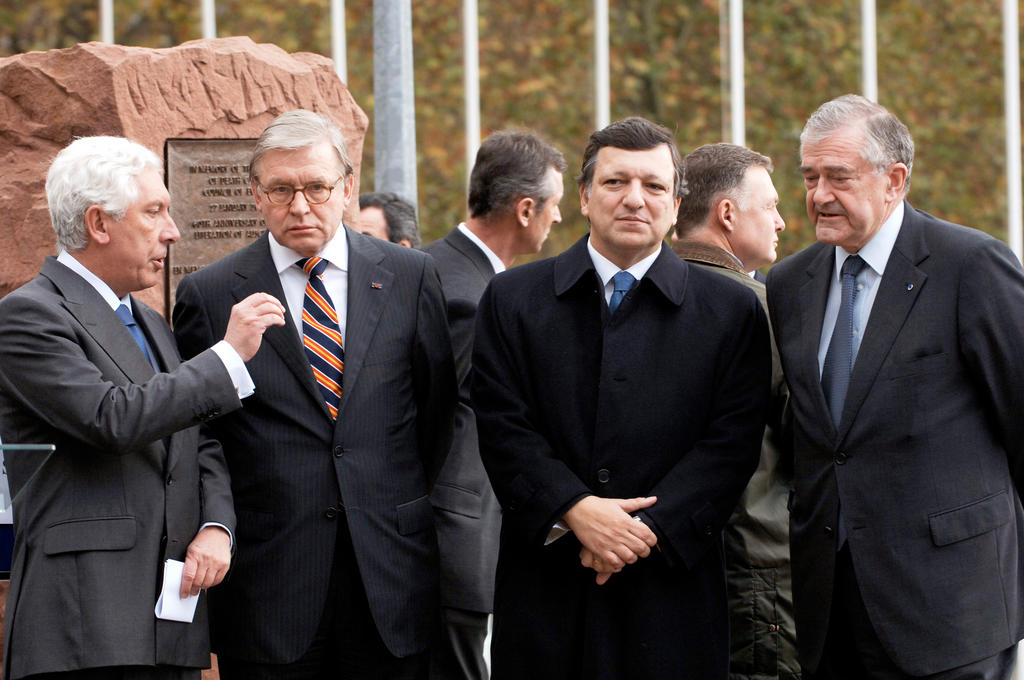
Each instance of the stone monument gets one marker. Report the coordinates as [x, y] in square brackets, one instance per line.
[224, 90]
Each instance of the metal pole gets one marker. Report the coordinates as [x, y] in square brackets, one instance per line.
[471, 81]
[1011, 94]
[602, 89]
[736, 82]
[394, 108]
[869, 51]
[209, 12]
[339, 47]
[107, 21]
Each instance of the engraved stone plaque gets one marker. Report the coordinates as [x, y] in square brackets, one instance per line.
[211, 203]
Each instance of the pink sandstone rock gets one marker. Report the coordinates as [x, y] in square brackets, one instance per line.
[227, 88]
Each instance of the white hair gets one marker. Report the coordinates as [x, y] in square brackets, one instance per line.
[93, 171]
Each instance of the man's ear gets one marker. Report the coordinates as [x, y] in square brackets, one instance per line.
[524, 210]
[97, 225]
[725, 212]
[897, 177]
[256, 196]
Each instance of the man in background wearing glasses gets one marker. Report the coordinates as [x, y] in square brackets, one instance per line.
[336, 564]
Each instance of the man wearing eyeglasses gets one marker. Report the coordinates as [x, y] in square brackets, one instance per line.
[336, 564]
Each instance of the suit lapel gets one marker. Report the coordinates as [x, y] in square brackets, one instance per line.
[256, 273]
[161, 343]
[813, 295]
[462, 243]
[99, 320]
[369, 286]
[898, 290]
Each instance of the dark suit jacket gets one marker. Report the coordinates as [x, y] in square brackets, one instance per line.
[667, 398]
[124, 490]
[289, 461]
[927, 459]
[466, 511]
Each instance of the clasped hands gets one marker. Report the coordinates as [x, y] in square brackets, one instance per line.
[611, 537]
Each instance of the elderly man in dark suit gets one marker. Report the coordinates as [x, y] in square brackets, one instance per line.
[620, 397]
[514, 191]
[336, 566]
[90, 369]
[900, 336]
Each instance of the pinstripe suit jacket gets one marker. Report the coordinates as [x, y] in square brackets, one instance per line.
[467, 512]
[129, 485]
[289, 461]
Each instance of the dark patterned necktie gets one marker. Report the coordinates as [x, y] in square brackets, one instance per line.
[835, 373]
[321, 335]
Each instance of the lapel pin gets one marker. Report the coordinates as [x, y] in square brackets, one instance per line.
[376, 286]
[910, 286]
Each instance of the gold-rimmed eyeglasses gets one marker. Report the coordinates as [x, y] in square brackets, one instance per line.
[314, 192]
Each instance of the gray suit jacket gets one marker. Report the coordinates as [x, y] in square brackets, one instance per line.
[466, 510]
[926, 462]
[129, 485]
[289, 462]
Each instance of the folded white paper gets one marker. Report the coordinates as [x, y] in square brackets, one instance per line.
[169, 606]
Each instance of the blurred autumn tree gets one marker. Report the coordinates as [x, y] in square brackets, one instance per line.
[940, 70]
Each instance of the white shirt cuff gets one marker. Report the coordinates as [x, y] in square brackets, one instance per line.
[240, 378]
[557, 531]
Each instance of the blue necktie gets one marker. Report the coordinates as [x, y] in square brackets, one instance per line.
[835, 373]
[321, 335]
[128, 320]
[622, 282]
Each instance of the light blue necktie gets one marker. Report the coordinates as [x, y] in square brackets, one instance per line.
[622, 282]
[835, 373]
[128, 320]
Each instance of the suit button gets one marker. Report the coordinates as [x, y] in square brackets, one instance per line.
[828, 530]
[708, 531]
[170, 481]
[603, 476]
[331, 513]
[339, 451]
[841, 458]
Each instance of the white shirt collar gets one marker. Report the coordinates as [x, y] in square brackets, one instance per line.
[495, 261]
[606, 269]
[108, 295]
[875, 252]
[334, 251]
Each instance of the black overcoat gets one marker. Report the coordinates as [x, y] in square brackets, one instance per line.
[666, 398]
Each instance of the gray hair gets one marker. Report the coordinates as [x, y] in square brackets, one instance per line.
[299, 129]
[510, 165]
[887, 139]
[93, 171]
[713, 172]
[399, 214]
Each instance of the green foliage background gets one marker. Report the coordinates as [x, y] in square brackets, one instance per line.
[940, 70]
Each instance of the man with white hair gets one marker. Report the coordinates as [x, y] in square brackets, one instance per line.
[900, 336]
[132, 483]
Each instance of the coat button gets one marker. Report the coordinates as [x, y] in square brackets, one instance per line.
[828, 530]
[603, 476]
[841, 458]
[339, 451]
[331, 513]
[170, 481]
[709, 531]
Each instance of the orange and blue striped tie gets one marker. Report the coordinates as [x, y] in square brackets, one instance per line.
[321, 335]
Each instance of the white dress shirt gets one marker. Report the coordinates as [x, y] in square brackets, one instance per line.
[875, 254]
[495, 261]
[294, 279]
[606, 269]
